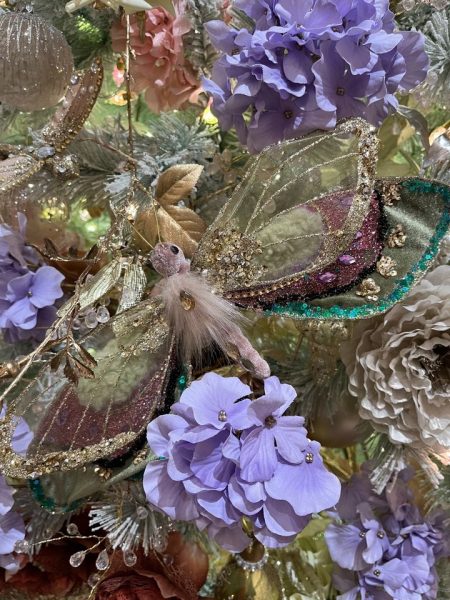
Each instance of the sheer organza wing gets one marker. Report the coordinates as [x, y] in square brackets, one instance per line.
[103, 413]
[310, 234]
[298, 208]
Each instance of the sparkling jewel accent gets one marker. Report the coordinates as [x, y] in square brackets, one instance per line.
[309, 457]
[368, 288]
[387, 266]
[72, 529]
[346, 259]
[222, 416]
[77, 559]
[129, 558]
[102, 562]
[327, 277]
[22, 547]
[187, 301]
[252, 566]
[397, 237]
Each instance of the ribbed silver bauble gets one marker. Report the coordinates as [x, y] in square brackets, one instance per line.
[36, 62]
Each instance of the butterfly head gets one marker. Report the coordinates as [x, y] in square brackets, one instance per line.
[168, 259]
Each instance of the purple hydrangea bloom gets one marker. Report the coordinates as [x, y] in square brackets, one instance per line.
[385, 548]
[308, 64]
[12, 528]
[27, 296]
[224, 457]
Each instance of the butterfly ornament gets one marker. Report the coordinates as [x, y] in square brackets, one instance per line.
[309, 233]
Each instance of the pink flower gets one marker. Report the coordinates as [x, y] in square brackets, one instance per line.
[159, 66]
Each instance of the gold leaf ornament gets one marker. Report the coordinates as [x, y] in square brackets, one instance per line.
[165, 221]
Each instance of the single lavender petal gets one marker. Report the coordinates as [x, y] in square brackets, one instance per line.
[258, 456]
[46, 287]
[166, 494]
[12, 530]
[159, 430]
[6, 497]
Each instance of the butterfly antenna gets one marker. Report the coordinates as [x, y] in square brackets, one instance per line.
[155, 208]
[141, 237]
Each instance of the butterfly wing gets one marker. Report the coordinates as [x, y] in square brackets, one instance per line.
[16, 170]
[410, 232]
[307, 228]
[76, 107]
[102, 414]
[299, 206]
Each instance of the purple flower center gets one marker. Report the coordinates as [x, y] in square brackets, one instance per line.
[270, 421]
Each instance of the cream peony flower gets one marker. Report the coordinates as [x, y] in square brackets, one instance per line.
[399, 366]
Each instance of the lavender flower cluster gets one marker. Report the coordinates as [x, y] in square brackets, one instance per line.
[224, 457]
[309, 63]
[385, 548]
[12, 527]
[27, 291]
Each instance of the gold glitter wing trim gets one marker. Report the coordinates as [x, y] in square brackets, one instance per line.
[16, 170]
[76, 107]
[126, 366]
[278, 214]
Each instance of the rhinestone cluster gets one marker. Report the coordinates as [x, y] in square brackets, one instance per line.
[252, 566]
[390, 191]
[387, 266]
[396, 237]
[231, 258]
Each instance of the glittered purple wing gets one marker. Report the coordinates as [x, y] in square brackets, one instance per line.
[100, 416]
[348, 268]
[396, 245]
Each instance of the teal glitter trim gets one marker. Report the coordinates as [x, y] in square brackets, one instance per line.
[306, 311]
[48, 503]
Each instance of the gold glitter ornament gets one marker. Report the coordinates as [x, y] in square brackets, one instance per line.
[36, 62]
